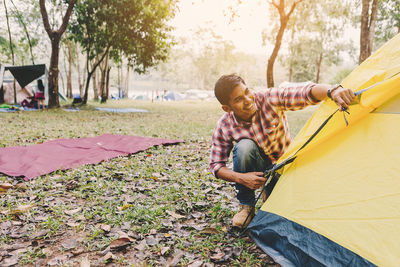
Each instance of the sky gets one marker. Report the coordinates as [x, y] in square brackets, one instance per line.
[245, 30]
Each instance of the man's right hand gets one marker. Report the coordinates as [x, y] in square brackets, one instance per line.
[252, 180]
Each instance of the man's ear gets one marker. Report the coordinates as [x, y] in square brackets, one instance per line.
[226, 108]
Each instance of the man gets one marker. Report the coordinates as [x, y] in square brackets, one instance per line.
[257, 124]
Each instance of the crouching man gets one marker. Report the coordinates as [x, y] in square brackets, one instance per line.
[255, 128]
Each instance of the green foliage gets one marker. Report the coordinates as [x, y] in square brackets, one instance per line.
[388, 21]
[340, 75]
[315, 40]
[136, 29]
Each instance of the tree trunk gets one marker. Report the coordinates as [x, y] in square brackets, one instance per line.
[272, 58]
[85, 96]
[126, 92]
[367, 32]
[108, 83]
[12, 50]
[55, 36]
[89, 75]
[319, 63]
[84, 76]
[69, 72]
[94, 84]
[119, 78]
[103, 83]
[53, 72]
[284, 18]
[78, 68]
[63, 82]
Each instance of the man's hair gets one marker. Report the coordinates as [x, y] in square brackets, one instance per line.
[225, 85]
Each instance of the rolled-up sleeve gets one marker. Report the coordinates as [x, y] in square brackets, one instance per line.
[220, 150]
[291, 98]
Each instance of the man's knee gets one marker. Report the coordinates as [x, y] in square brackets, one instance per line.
[244, 151]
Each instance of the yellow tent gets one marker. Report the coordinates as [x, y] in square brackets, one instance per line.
[337, 201]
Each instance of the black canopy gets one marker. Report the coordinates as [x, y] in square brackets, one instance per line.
[26, 74]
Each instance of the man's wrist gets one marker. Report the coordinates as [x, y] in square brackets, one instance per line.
[332, 89]
[238, 178]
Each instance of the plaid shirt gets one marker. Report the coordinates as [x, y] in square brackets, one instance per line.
[269, 127]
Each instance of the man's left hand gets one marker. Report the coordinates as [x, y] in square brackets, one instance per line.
[343, 97]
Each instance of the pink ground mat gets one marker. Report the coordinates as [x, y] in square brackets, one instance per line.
[62, 154]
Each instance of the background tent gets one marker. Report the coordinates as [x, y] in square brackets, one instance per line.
[173, 96]
[27, 74]
[22, 93]
[337, 203]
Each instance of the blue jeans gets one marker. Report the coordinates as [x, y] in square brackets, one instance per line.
[248, 157]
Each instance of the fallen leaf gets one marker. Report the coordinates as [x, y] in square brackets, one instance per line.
[175, 215]
[175, 260]
[209, 230]
[141, 246]
[69, 244]
[18, 252]
[120, 243]
[108, 257]
[5, 186]
[85, 262]
[9, 261]
[40, 233]
[77, 251]
[105, 227]
[72, 224]
[164, 250]
[59, 260]
[19, 210]
[217, 256]
[151, 241]
[126, 206]
[72, 212]
[196, 264]
[21, 186]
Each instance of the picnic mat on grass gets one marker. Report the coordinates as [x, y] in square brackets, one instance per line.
[62, 154]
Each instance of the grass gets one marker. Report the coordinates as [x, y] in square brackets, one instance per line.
[134, 194]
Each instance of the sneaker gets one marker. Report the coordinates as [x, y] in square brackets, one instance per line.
[239, 219]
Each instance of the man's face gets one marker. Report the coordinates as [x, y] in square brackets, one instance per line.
[241, 102]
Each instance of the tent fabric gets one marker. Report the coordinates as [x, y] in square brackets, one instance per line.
[63, 154]
[26, 74]
[173, 96]
[296, 245]
[22, 93]
[344, 185]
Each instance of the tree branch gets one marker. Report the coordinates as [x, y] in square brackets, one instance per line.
[101, 59]
[45, 17]
[293, 7]
[272, 2]
[64, 24]
[374, 11]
